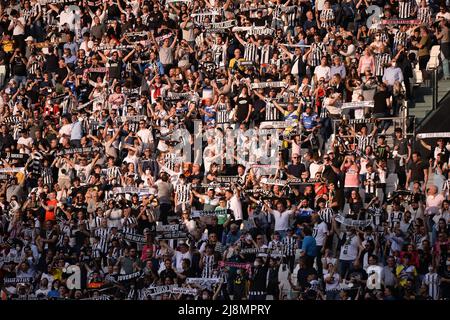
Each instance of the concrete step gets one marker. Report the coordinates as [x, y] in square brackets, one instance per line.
[443, 88]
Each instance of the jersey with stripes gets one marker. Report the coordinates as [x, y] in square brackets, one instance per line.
[318, 50]
[327, 18]
[289, 246]
[183, 192]
[381, 60]
[208, 266]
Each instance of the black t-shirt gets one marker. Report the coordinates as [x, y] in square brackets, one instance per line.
[42, 142]
[329, 175]
[417, 170]
[62, 74]
[359, 274]
[380, 104]
[169, 23]
[154, 20]
[113, 11]
[168, 273]
[402, 145]
[114, 69]
[83, 90]
[382, 152]
[19, 67]
[33, 95]
[51, 63]
[243, 105]
[445, 286]
[6, 141]
[258, 22]
[296, 170]
[302, 276]
[258, 106]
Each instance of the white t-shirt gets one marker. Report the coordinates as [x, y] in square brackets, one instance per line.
[314, 168]
[83, 172]
[323, 72]
[68, 17]
[179, 256]
[19, 29]
[87, 46]
[131, 159]
[349, 250]
[281, 219]
[26, 142]
[433, 204]
[235, 205]
[65, 130]
[334, 284]
[320, 4]
[320, 232]
[440, 15]
[145, 135]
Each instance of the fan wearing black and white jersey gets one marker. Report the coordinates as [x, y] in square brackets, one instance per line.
[183, 195]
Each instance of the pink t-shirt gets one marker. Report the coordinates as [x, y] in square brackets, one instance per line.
[351, 177]
[434, 203]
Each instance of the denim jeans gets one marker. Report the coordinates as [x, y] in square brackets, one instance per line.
[446, 67]
[20, 79]
[385, 124]
[344, 267]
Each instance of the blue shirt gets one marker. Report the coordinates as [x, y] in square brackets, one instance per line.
[53, 294]
[157, 64]
[392, 74]
[309, 246]
[304, 212]
[232, 238]
[208, 119]
[72, 46]
[72, 59]
[309, 121]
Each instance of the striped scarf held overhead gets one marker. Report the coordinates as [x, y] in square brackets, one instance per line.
[406, 8]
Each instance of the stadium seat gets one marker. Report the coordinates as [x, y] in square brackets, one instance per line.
[434, 62]
[417, 75]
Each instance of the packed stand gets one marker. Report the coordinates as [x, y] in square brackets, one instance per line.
[296, 179]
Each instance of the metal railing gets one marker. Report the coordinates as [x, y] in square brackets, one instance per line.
[435, 101]
[434, 87]
[405, 122]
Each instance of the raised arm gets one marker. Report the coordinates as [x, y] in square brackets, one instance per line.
[241, 41]
[425, 145]
[277, 105]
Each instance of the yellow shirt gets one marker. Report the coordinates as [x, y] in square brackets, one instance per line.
[20, 177]
[233, 62]
[8, 45]
[57, 274]
[403, 273]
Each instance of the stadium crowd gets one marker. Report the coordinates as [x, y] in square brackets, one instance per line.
[298, 176]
